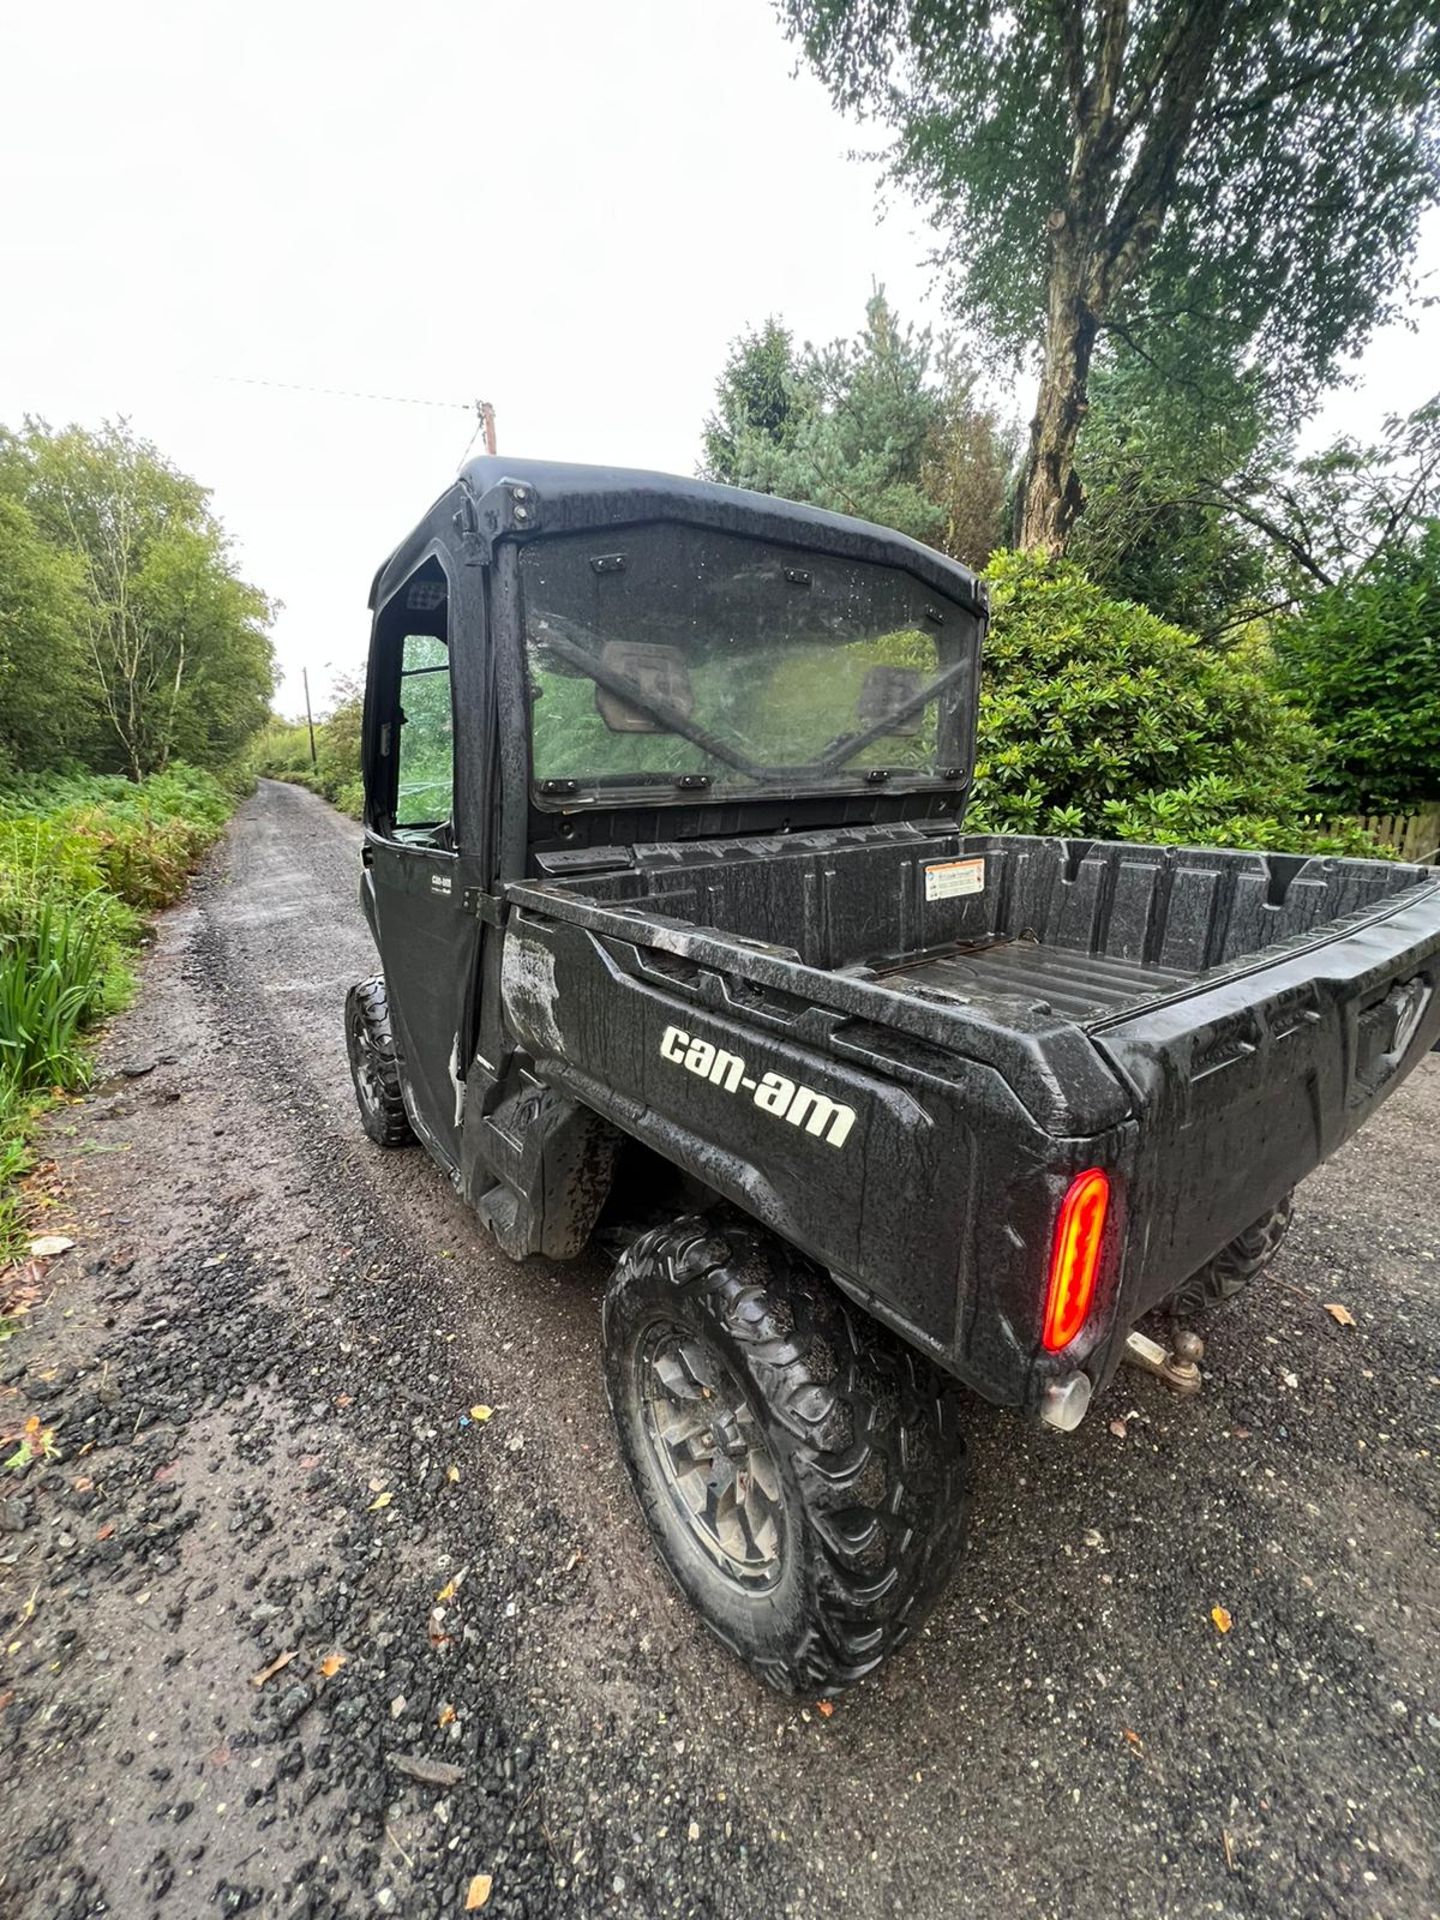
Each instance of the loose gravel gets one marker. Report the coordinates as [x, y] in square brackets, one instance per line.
[289, 1627]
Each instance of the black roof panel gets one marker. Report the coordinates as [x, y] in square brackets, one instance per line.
[568, 497]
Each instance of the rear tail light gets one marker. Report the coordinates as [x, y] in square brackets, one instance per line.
[1075, 1258]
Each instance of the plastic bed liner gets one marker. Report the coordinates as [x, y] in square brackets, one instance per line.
[1085, 930]
[1080, 986]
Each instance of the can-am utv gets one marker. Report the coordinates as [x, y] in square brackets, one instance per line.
[666, 863]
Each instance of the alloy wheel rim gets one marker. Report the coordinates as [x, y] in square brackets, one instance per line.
[708, 1451]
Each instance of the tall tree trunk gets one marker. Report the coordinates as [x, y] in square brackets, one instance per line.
[1051, 496]
[1123, 172]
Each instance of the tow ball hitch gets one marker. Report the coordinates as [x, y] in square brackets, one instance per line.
[1066, 1401]
[1178, 1367]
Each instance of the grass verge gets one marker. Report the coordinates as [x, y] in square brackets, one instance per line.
[83, 859]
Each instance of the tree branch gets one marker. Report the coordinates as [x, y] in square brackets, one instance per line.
[1110, 61]
[1155, 74]
[1145, 200]
[1071, 21]
[1263, 98]
[1238, 504]
[1169, 375]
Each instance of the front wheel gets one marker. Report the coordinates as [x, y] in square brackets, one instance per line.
[373, 1065]
[801, 1471]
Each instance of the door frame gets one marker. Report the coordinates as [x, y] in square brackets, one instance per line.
[454, 873]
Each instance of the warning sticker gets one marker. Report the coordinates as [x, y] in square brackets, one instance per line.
[950, 877]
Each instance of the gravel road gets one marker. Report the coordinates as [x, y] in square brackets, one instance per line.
[259, 1360]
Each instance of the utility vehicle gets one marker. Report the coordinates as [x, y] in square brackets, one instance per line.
[666, 862]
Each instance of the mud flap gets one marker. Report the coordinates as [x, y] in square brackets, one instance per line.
[554, 1161]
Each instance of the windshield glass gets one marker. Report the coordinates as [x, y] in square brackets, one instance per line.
[675, 656]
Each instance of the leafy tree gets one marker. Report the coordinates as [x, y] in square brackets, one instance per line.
[1261, 164]
[967, 466]
[844, 426]
[1098, 718]
[1365, 655]
[342, 724]
[44, 711]
[176, 651]
[861, 447]
[213, 626]
[1198, 505]
[885, 426]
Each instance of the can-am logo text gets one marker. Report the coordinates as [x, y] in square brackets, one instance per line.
[802, 1106]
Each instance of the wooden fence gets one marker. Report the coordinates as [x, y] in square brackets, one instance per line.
[1414, 836]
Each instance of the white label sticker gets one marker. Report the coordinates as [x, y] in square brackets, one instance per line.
[950, 877]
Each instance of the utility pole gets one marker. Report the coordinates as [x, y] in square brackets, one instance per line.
[305, 677]
[487, 421]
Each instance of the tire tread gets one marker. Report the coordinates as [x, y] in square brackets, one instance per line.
[1237, 1264]
[871, 1431]
[389, 1125]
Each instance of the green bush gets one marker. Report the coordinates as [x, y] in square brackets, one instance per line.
[1366, 658]
[52, 984]
[82, 859]
[1098, 718]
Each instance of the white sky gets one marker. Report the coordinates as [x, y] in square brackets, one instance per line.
[568, 210]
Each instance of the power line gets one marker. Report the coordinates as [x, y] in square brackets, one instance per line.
[482, 409]
[346, 393]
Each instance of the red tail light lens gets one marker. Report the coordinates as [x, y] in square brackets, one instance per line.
[1075, 1259]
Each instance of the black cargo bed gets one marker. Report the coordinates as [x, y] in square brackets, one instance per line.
[1084, 930]
[999, 973]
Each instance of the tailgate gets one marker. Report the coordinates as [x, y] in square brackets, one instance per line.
[1245, 1086]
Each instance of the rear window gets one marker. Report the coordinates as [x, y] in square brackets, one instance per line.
[676, 657]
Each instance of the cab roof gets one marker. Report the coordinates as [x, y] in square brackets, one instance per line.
[523, 499]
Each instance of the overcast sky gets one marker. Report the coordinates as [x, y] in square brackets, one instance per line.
[569, 210]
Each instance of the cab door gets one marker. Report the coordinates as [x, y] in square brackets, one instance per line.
[427, 933]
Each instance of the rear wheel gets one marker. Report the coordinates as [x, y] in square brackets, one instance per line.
[801, 1471]
[373, 1066]
[1236, 1264]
